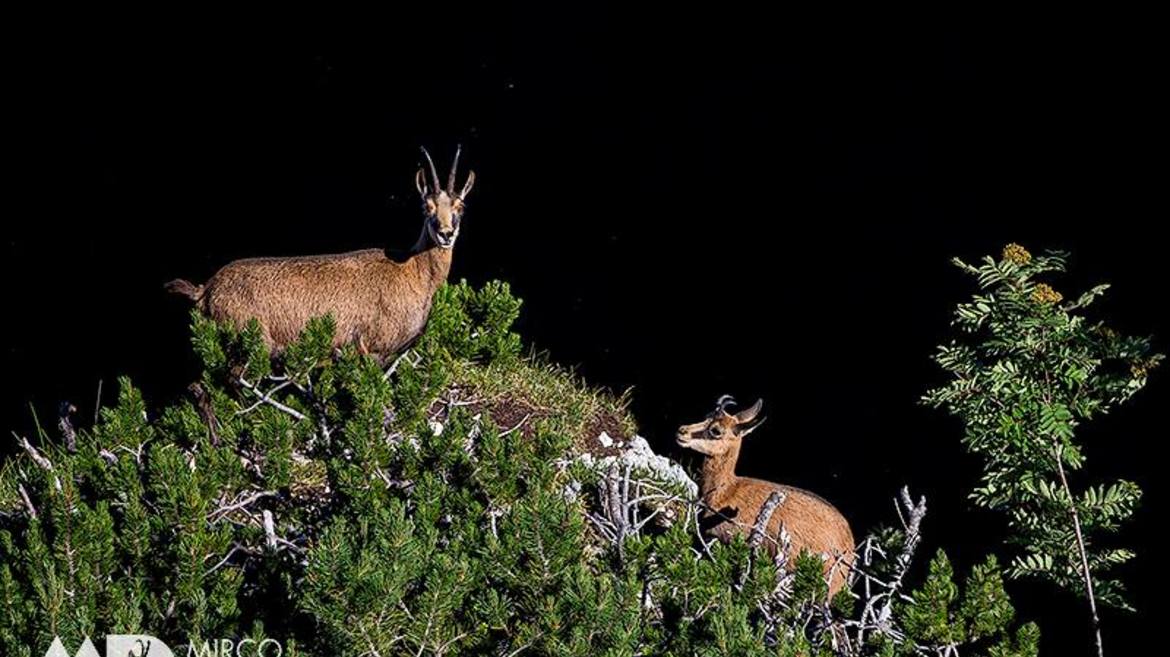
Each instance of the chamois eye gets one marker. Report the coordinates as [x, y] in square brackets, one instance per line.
[715, 431]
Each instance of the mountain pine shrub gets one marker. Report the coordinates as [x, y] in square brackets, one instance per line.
[440, 505]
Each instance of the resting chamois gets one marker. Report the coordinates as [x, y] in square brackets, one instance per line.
[733, 502]
[379, 303]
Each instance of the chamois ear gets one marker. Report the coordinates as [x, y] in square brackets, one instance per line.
[749, 414]
[468, 185]
[420, 182]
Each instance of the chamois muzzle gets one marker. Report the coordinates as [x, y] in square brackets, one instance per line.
[445, 238]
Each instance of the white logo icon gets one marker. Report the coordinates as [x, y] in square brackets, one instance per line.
[117, 645]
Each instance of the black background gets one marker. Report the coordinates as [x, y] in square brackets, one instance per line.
[687, 206]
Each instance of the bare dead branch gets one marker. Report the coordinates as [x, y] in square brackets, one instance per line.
[37, 457]
[517, 425]
[236, 547]
[97, 405]
[269, 529]
[764, 517]
[266, 398]
[242, 501]
[32, 510]
[394, 366]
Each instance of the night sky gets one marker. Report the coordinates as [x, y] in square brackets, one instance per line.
[725, 207]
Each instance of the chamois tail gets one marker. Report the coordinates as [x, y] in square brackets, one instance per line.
[186, 288]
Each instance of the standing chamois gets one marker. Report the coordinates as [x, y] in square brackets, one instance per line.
[733, 503]
[377, 302]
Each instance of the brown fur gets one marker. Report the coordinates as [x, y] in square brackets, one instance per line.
[378, 303]
[734, 502]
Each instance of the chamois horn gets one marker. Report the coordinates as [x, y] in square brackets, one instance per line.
[454, 167]
[724, 402]
[434, 173]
